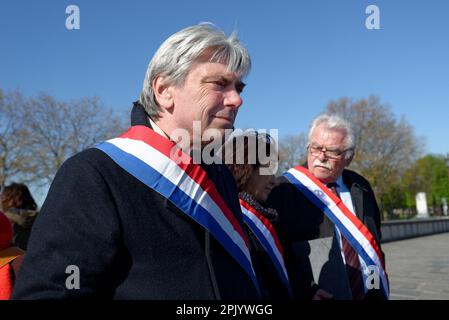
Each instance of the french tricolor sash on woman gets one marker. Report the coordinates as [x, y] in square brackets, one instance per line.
[265, 233]
[349, 225]
[165, 168]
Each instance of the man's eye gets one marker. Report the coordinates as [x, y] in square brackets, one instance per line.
[220, 83]
[334, 153]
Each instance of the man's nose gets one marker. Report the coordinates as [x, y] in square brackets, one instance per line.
[233, 99]
[322, 155]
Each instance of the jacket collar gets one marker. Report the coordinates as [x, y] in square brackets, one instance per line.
[349, 182]
[357, 192]
[139, 117]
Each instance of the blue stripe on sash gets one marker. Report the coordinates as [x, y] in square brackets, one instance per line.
[153, 179]
[323, 207]
[261, 237]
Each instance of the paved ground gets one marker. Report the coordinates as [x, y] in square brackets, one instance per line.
[419, 268]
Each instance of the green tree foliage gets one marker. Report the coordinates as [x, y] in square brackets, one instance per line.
[430, 175]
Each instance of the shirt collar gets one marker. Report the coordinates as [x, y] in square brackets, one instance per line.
[341, 185]
[340, 182]
[157, 129]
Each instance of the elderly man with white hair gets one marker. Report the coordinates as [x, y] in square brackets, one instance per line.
[326, 199]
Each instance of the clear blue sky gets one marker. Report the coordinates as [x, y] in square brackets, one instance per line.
[304, 54]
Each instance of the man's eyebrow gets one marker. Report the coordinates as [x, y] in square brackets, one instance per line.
[239, 84]
[217, 77]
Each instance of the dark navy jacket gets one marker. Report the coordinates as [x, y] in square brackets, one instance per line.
[127, 240]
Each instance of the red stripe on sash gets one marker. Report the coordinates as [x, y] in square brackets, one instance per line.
[185, 162]
[356, 221]
[266, 223]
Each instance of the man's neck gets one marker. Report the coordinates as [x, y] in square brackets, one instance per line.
[167, 129]
[337, 182]
[157, 129]
[183, 138]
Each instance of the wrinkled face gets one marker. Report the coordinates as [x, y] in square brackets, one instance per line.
[210, 94]
[327, 169]
[260, 185]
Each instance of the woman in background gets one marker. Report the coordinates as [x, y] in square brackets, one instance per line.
[21, 209]
[254, 174]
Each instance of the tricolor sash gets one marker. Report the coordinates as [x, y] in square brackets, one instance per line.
[349, 225]
[165, 168]
[266, 234]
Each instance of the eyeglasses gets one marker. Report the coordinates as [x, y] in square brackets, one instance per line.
[328, 153]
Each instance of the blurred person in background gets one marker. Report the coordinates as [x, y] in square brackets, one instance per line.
[10, 258]
[21, 209]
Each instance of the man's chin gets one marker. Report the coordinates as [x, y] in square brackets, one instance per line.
[321, 174]
[221, 126]
[223, 121]
[322, 170]
[215, 133]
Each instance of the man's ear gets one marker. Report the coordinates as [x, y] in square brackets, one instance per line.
[163, 93]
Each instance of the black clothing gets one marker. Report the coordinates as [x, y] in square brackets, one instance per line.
[300, 220]
[127, 240]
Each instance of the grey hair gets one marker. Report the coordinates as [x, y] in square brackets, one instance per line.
[176, 56]
[336, 122]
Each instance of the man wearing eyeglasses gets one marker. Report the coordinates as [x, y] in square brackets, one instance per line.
[330, 150]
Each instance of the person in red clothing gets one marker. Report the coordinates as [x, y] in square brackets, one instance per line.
[10, 258]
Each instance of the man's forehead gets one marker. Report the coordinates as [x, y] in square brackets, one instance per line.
[321, 133]
[219, 70]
